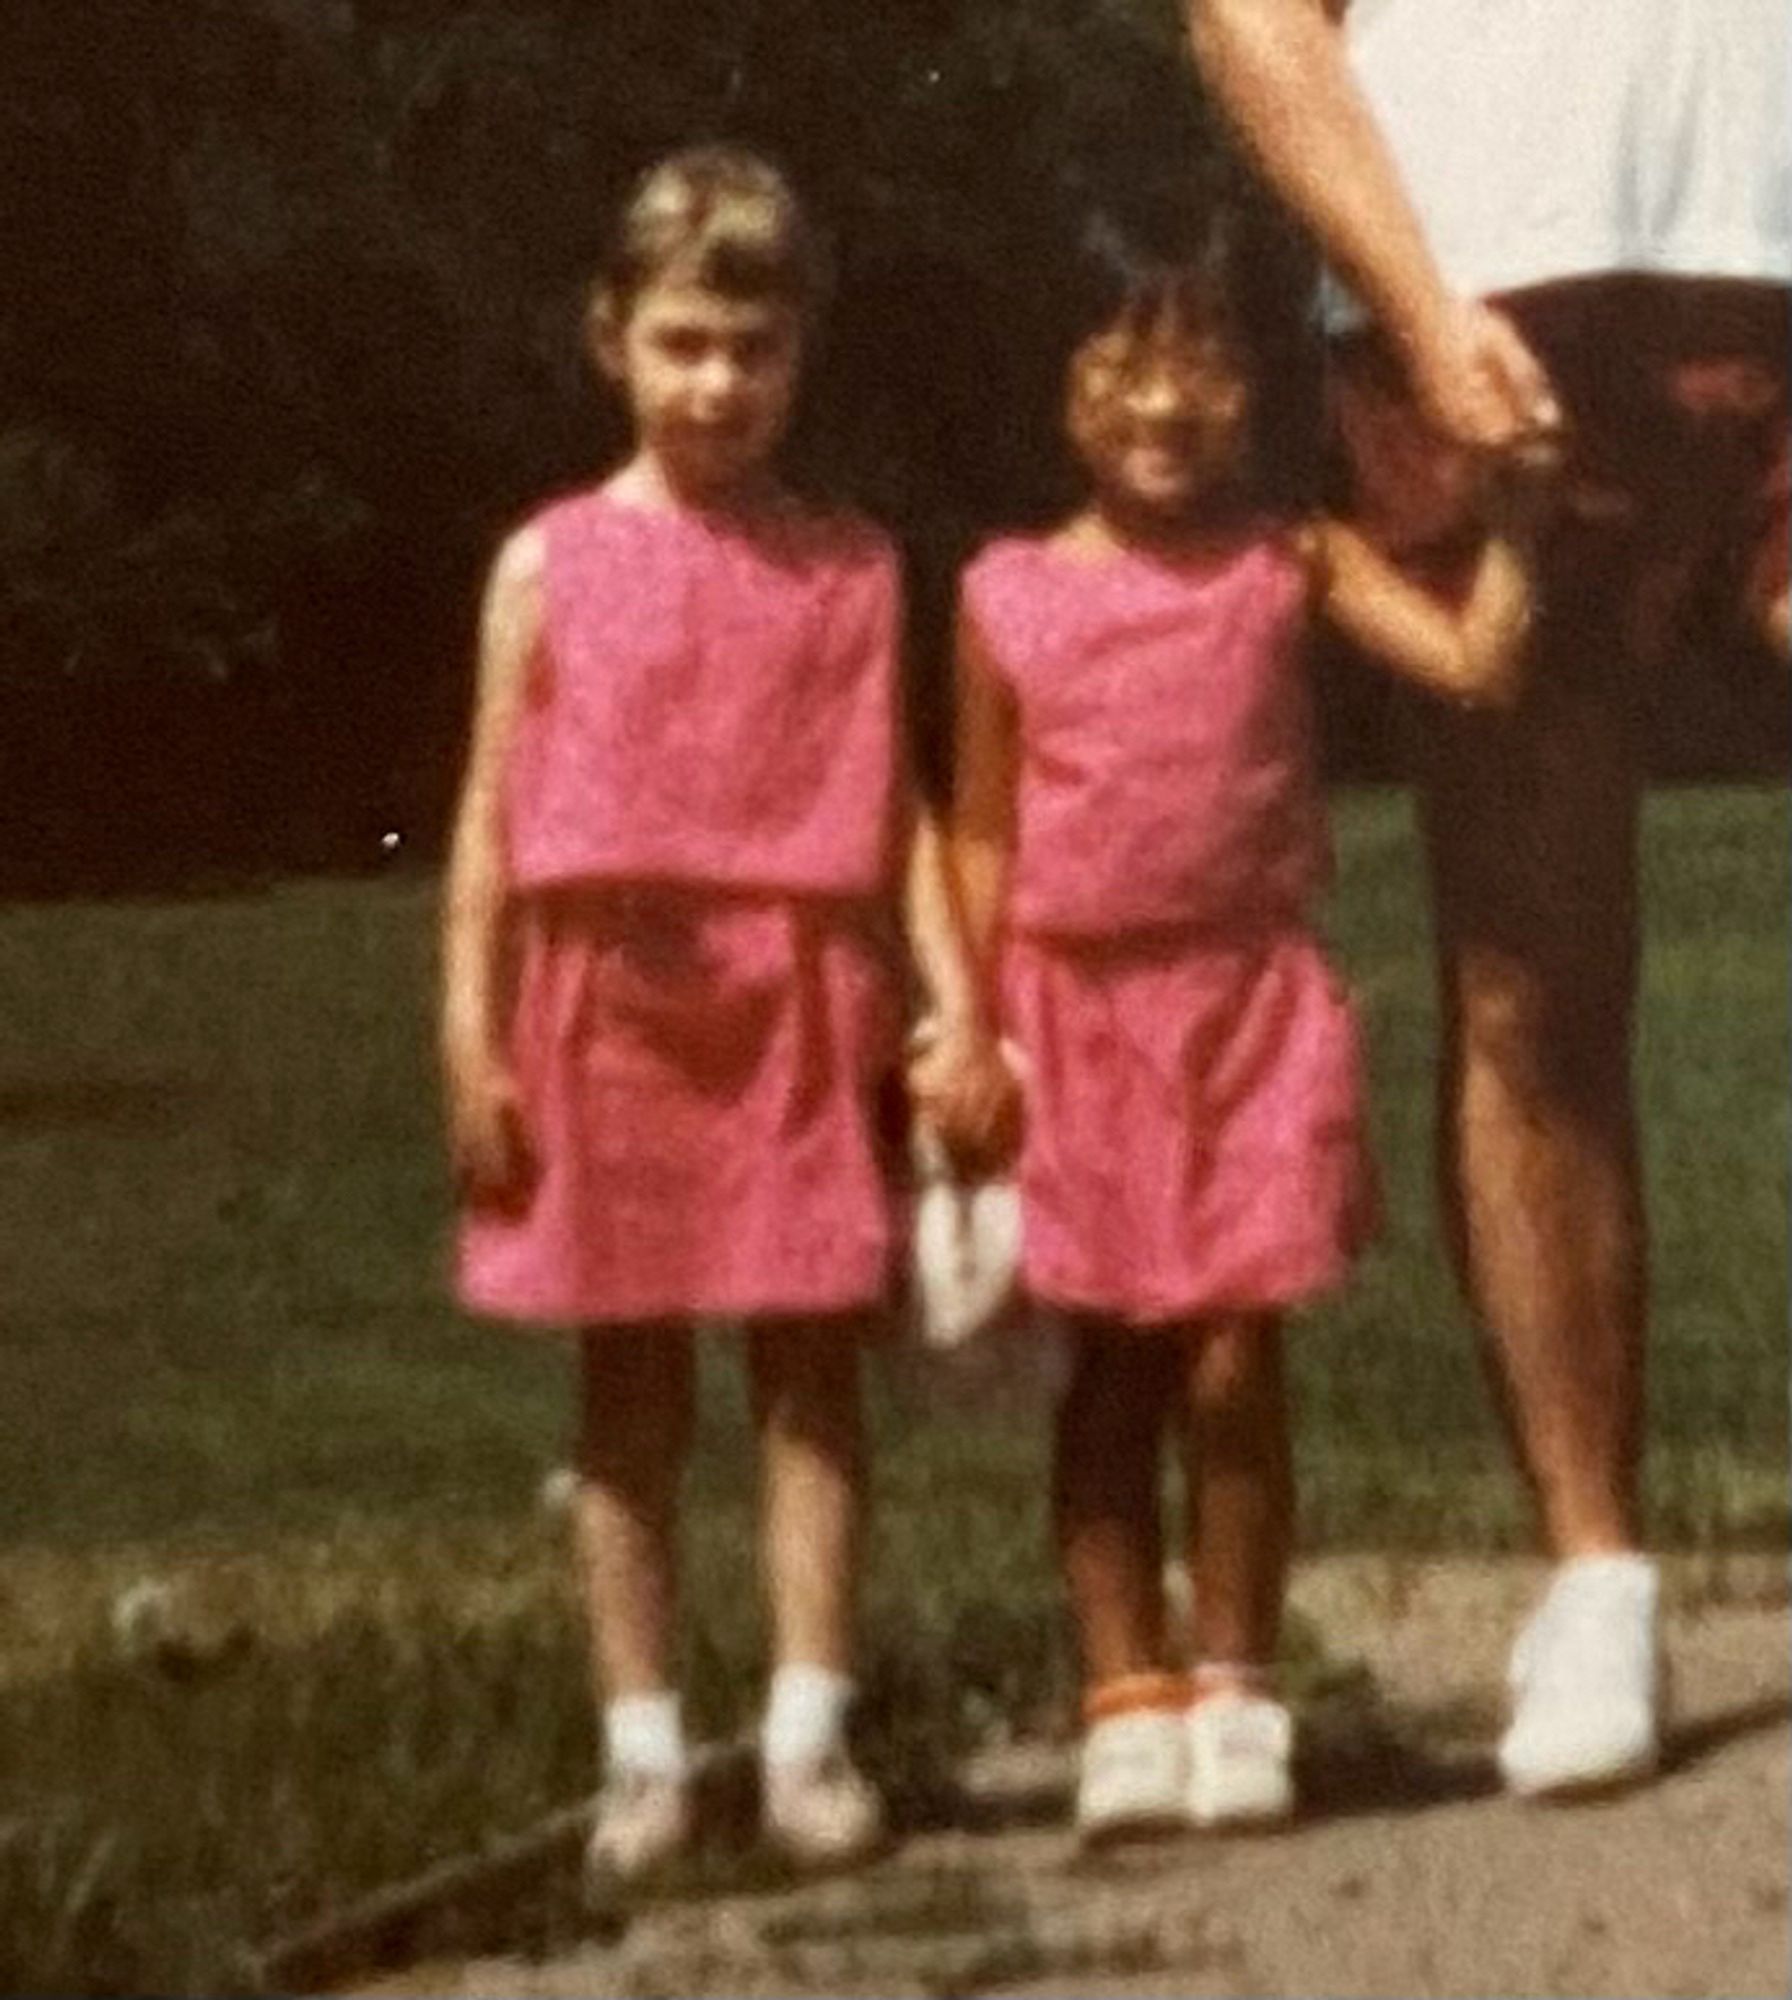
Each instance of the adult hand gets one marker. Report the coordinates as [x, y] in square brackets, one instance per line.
[1477, 381]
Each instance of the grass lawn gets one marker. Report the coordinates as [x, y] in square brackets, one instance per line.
[227, 1357]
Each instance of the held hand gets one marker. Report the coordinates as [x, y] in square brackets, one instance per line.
[494, 1165]
[965, 1088]
[1524, 490]
[1478, 382]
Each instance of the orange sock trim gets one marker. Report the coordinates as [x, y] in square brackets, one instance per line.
[1128, 1694]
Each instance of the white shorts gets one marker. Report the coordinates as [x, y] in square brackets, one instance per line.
[1550, 139]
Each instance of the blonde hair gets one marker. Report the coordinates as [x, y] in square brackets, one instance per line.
[721, 215]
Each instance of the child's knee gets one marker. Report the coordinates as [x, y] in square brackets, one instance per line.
[1235, 1365]
[805, 1375]
[639, 1404]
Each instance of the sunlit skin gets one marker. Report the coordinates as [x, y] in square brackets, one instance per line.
[1541, 1183]
[1159, 411]
[1160, 418]
[709, 381]
[1278, 71]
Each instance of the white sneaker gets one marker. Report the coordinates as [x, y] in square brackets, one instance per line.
[825, 1814]
[1239, 1750]
[1586, 1681]
[642, 1820]
[1133, 1777]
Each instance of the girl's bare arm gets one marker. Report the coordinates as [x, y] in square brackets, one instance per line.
[935, 932]
[475, 899]
[1471, 652]
[980, 841]
[958, 905]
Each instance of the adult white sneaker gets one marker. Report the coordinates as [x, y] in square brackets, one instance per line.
[1587, 1681]
[1240, 1747]
[1132, 1780]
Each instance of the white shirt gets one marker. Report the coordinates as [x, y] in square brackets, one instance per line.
[1545, 139]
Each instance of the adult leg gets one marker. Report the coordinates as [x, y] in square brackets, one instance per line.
[1532, 828]
[1676, 477]
[1530, 823]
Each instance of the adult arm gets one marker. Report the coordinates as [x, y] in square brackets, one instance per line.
[1279, 71]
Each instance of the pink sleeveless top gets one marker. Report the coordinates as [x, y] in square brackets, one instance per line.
[1166, 736]
[712, 702]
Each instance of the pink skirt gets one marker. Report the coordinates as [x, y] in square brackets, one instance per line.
[701, 1076]
[1195, 1137]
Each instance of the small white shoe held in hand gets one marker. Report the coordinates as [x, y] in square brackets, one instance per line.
[966, 1248]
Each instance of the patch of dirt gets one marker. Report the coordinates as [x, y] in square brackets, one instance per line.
[1407, 1873]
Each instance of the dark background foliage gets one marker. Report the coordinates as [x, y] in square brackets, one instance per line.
[291, 333]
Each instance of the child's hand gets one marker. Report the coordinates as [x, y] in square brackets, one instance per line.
[494, 1165]
[1413, 489]
[965, 1088]
[1525, 488]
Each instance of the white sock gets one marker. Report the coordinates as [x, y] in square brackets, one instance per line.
[805, 1714]
[1626, 1564]
[645, 1733]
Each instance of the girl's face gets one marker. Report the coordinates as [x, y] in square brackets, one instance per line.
[709, 380]
[1160, 416]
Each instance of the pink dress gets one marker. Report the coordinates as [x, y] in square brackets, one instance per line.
[698, 825]
[1194, 1138]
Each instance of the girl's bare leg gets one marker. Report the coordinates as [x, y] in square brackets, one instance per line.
[1241, 1488]
[1105, 1497]
[804, 1377]
[639, 1384]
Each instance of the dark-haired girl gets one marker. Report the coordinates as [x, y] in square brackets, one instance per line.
[1136, 840]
